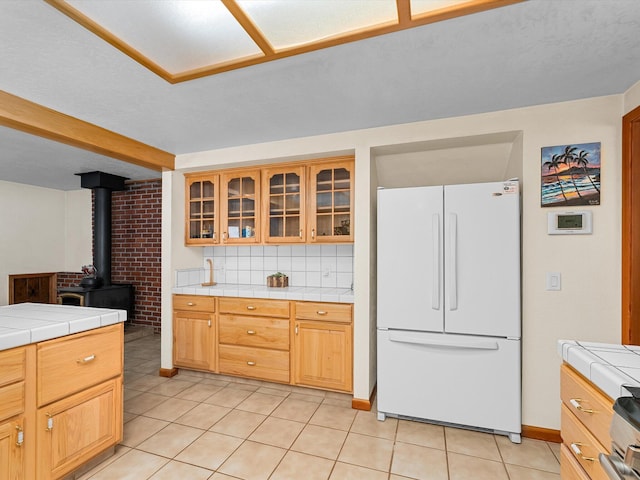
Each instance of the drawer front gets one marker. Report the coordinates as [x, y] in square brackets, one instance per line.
[11, 400]
[200, 303]
[329, 312]
[591, 407]
[12, 365]
[71, 364]
[570, 469]
[255, 306]
[254, 332]
[583, 446]
[254, 362]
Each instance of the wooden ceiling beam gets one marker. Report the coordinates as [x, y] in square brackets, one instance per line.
[252, 30]
[29, 117]
[404, 12]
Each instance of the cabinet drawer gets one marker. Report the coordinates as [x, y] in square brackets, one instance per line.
[590, 406]
[254, 332]
[201, 303]
[11, 400]
[12, 365]
[570, 469]
[254, 362]
[329, 312]
[71, 364]
[583, 446]
[255, 306]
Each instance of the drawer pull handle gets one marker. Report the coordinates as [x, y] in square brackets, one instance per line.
[251, 332]
[86, 360]
[250, 307]
[251, 364]
[191, 304]
[576, 449]
[321, 312]
[575, 402]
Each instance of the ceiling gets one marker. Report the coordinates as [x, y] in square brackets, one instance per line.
[529, 53]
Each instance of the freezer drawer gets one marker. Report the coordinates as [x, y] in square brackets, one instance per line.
[459, 379]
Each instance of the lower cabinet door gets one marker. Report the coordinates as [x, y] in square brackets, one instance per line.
[11, 450]
[193, 340]
[73, 430]
[323, 355]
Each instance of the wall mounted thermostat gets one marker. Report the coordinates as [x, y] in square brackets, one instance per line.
[570, 223]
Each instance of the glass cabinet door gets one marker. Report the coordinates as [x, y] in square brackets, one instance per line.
[331, 216]
[202, 210]
[283, 209]
[240, 206]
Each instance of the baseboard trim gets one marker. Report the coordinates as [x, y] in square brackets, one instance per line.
[168, 372]
[539, 433]
[364, 404]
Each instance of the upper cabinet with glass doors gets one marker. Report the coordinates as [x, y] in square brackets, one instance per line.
[240, 206]
[283, 211]
[331, 201]
[202, 217]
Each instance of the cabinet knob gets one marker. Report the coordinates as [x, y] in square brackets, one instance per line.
[300, 233]
[250, 307]
[313, 233]
[251, 364]
[85, 360]
[251, 332]
[20, 439]
[321, 312]
[190, 304]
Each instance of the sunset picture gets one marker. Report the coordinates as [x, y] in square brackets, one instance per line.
[570, 175]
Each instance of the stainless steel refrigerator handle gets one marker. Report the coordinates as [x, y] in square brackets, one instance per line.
[435, 289]
[453, 261]
[449, 343]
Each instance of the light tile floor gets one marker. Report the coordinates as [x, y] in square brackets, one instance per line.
[198, 426]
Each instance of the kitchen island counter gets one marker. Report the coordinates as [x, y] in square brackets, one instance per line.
[25, 323]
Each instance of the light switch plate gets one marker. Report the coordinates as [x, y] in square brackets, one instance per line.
[554, 281]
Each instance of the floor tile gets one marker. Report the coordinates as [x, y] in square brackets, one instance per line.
[277, 432]
[475, 444]
[171, 388]
[321, 441]
[143, 403]
[296, 410]
[418, 433]
[146, 382]
[555, 448]
[367, 423]
[422, 463]
[275, 389]
[331, 416]
[171, 409]
[178, 470]
[119, 451]
[343, 471]
[522, 473]
[253, 461]
[238, 423]
[260, 403]
[464, 467]
[228, 397]
[203, 416]
[209, 451]
[530, 453]
[171, 440]
[297, 466]
[198, 392]
[306, 398]
[366, 451]
[140, 428]
[133, 465]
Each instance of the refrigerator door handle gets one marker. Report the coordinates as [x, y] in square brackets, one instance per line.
[435, 289]
[453, 259]
[448, 343]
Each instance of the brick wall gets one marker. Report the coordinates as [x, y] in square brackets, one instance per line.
[68, 279]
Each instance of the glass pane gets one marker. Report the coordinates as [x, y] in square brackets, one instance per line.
[275, 226]
[276, 205]
[276, 184]
[234, 187]
[293, 183]
[248, 186]
[207, 207]
[341, 201]
[341, 174]
[194, 229]
[194, 209]
[323, 223]
[207, 229]
[248, 207]
[234, 207]
[324, 180]
[293, 204]
[323, 201]
[248, 228]
[234, 228]
[194, 190]
[341, 225]
[208, 189]
[292, 227]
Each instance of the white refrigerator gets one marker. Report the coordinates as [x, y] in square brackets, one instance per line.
[448, 312]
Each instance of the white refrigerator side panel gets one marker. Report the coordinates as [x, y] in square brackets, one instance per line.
[465, 380]
[482, 245]
[410, 269]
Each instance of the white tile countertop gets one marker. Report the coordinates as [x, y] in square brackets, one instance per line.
[25, 323]
[609, 366]
[314, 294]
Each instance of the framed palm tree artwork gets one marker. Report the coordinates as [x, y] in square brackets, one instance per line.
[570, 175]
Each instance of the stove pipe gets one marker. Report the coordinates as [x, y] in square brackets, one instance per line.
[102, 185]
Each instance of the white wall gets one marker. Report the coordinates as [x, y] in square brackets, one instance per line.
[587, 308]
[42, 230]
[632, 98]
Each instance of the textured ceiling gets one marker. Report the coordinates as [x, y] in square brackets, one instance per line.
[535, 52]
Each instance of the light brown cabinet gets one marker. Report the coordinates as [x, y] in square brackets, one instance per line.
[240, 206]
[323, 346]
[585, 418]
[12, 413]
[202, 209]
[284, 204]
[194, 332]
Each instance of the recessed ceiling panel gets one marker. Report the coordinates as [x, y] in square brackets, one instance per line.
[177, 35]
[289, 23]
[421, 7]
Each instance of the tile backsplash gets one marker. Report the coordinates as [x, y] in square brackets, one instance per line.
[326, 266]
